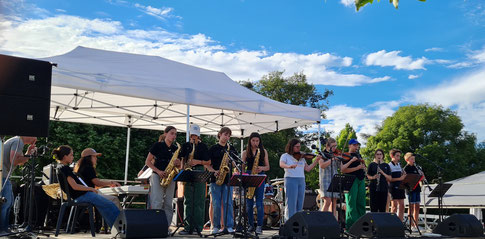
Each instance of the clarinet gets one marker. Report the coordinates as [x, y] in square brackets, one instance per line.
[378, 179]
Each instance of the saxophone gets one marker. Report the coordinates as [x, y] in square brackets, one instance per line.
[251, 190]
[171, 170]
[191, 157]
[223, 169]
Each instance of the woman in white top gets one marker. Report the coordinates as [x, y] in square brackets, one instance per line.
[294, 164]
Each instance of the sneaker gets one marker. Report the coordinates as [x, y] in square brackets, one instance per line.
[215, 230]
[185, 232]
[230, 230]
[250, 229]
[259, 230]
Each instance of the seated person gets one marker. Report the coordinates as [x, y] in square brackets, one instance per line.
[79, 191]
[86, 169]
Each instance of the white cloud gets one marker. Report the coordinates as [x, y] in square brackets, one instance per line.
[465, 94]
[474, 58]
[411, 77]
[363, 120]
[435, 49]
[160, 13]
[392, 58]
[60, 34]
[348, 3]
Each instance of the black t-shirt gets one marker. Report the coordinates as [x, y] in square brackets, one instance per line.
[372, 170]
[360, 174]
[201, 152]
[65, 172]
[87, 173]
[216, 153]
[163, 154]
[250, 160]
[412, 170]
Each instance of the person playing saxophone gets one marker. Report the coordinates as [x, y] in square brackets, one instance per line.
[256, 158]
[195, 155]
[158, 159]
[219, 187]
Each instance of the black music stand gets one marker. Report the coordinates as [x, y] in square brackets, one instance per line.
[191, 176]
[341, 183]
[244, 181]
[439, 191]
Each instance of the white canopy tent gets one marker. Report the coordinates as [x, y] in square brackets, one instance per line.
[150, 92]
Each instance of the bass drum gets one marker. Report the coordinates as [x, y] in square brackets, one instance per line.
[272, 213]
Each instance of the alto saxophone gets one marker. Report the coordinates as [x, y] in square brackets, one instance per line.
[253, 171]
[189, 160]
[171, 170]
[223, 169]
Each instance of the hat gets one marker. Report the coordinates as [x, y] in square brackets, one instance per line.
[194, 129]
[353, 141]
[89, 152]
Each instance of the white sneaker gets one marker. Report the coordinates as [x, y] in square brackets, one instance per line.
[215, 230]
[259, 230]
[230, 230]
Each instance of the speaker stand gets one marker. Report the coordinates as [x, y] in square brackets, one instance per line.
[412, 220]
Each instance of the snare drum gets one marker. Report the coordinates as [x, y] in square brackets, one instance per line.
[272, 213]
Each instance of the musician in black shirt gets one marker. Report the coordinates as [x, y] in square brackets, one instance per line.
[379, 173]
[414, 192]
[355, 198]
[78, 190]
[221, 192]
[397, 194]
[194, 193]
[86, 169]
[161, 153]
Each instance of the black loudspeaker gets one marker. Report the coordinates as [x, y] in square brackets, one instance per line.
[378, 225]
[25, 92]
[311, 225]
[460, 225]
[137, 223]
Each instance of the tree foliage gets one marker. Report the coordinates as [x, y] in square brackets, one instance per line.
[344, 136]
[435, 133]
[293, 90]
[361, 3]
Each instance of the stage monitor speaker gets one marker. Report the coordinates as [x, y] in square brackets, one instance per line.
[138, 223]
[25, 91]
[460, 225]
[309, 225]
[378, 225]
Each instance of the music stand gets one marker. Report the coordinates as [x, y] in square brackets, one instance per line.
[410, 181]
[439, 191]
[192, 176]
[341, 183]
[244, 181]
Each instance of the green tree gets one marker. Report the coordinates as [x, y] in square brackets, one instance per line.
[361, 3]
[293, 90]
[435, 133]
[344, 136]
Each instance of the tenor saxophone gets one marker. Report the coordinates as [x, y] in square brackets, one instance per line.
[223, 169]
[251, 190]
[171, 170]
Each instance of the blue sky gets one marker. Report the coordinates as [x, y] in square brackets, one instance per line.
[375, 60]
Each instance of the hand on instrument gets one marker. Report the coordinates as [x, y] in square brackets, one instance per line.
[216, 173]
[31, 149]
[162, 174]
[293, 166]
[354, 159]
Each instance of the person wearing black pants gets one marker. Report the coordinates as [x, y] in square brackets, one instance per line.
[379, 175]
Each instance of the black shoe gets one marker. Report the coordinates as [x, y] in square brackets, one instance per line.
[185, 232]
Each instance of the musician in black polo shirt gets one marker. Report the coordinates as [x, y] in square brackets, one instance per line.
[161, 153]
[221, 194]
[355, 198]
[194, 193]
[86, 169]
[78, 190]
[413, 193]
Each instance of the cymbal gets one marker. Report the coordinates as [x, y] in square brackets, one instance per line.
[277, 179]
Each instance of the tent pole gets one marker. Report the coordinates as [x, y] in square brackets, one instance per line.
[127, 153]
[187, 133]
[319, 135]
